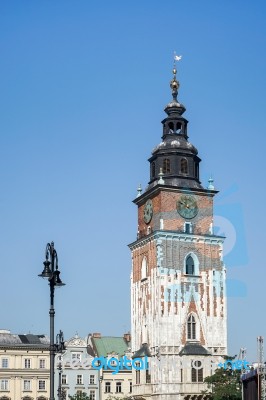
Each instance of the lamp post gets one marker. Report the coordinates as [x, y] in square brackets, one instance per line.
[51, 272]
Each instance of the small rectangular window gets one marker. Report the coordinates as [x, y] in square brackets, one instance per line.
[4, 384]
[187, 227]
[4, 362]
[27, 363]
[107, 387]
[64, 379]
[79, 379]
[130, 387]
[118, 387]
[92, 394]
[76, 356]
[27, 385]
[92, 379]
[42, 363]
[41, 385]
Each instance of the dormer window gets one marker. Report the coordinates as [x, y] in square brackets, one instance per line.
[153, 169]
[166, 166]
[184, 166]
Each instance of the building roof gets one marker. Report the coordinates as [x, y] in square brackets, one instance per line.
[109, 344]
[194, 349]
[7, 339]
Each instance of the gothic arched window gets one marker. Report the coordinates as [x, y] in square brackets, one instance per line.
[196, 371]
[190, 270]
[184, 166]
[166, 165]
[191, 327]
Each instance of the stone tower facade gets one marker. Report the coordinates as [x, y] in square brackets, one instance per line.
[178, 291]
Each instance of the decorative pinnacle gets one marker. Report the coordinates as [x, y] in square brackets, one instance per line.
[210, 185]
[161, 180]
[139, 190]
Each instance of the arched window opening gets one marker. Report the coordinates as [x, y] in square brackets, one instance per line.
[190, 266]
[184, 166]
[178, 128]
[166, 166]
[171, 127]
[153, 169]
[196, 371]
[191, 328]
[144, 268]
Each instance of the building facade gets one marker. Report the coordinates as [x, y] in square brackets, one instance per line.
[74, 369]
[24, 366]
[113, 383]
[178, 292]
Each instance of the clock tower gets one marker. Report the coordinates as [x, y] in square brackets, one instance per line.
[178, 292]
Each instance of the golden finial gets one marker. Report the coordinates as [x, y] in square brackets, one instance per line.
[174, 84]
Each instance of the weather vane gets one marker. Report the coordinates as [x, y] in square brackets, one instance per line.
[176, 58]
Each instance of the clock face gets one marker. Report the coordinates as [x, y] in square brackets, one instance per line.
[187, 206]
[148, 211]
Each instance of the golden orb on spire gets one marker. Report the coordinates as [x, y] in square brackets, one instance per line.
[174, 84]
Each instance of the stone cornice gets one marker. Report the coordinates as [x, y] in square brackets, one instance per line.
[156, 189]
[24, 347]
[182, 236]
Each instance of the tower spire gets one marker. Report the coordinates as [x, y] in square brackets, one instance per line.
[174, 106]
[175, 157]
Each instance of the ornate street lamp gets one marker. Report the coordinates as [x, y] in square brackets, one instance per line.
[52, 273]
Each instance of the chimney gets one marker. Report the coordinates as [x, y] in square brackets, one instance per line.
[127, 337]
[96, 335]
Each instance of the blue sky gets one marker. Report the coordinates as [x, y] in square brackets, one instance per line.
[83, 85]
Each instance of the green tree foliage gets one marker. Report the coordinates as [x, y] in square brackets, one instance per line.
[78, 396]
[224, 384]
